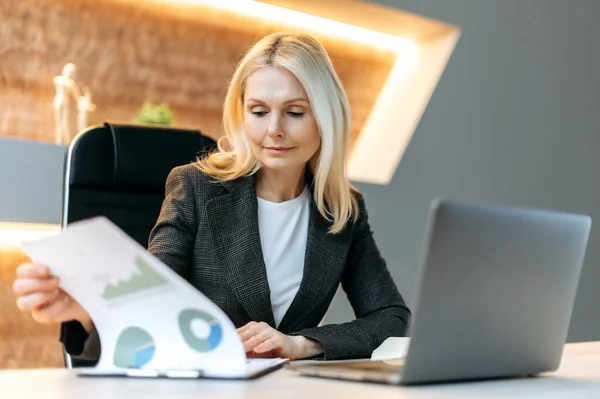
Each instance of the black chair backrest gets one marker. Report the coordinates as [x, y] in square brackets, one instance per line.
[119, 171]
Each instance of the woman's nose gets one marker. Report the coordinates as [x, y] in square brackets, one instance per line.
[275, 126]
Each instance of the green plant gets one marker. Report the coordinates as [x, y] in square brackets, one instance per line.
[155, 114]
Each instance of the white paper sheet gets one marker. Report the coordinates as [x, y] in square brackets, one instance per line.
[147, 316]
[391, 348]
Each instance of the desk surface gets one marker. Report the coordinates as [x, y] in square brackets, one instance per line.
[577, 377]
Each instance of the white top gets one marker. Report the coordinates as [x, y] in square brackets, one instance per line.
[283, 228]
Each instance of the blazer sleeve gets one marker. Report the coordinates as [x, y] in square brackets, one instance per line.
[83, 348]
[172, 238]
[379, 308]
[171, 241]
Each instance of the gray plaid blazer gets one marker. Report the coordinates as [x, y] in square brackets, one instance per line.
[208, 233]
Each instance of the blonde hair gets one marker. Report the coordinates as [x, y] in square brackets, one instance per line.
[306, 58]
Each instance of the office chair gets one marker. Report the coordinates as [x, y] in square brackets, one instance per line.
[119, 171]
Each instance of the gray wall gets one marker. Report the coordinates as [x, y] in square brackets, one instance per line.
[515, 119]
[31, 178]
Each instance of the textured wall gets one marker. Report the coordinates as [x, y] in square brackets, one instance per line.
[128, 52]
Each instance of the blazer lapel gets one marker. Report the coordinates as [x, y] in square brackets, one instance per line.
[233, 223]
[323, 265]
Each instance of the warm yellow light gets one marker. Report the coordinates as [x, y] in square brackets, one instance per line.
[14, 233]
[418, 65]
[312, 22]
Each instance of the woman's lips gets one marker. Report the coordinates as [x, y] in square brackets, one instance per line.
[279, 150]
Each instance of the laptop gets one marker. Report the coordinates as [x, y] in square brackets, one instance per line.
[496, 289]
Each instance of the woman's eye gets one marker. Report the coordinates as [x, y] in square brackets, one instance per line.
[295, 114]
[259, 113]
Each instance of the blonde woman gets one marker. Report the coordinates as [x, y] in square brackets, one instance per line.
[268, 226]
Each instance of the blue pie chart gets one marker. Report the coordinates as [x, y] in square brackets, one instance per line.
[200, 344]
[135, 347]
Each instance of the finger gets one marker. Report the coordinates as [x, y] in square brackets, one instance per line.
[40, 317]
[36, 300]
[24, 286]
[33, 270]
[254, 330]
[268, 345]
[246, 327]
[257, 339]
[250, 343]
[52, 310]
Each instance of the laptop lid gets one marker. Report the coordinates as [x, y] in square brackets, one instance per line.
[496, 291]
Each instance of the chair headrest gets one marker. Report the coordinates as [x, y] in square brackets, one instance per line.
[145, 156]
[125, 155]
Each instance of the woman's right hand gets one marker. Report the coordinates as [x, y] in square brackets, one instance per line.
[39, 293]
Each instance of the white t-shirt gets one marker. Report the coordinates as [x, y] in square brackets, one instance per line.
[283, 228]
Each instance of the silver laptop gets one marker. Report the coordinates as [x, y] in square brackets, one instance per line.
[497, 287]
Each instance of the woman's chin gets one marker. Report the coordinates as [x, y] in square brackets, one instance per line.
[282, 164]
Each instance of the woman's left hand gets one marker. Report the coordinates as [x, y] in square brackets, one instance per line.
[262, 340]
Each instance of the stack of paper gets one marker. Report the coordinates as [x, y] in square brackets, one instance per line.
[151, 322]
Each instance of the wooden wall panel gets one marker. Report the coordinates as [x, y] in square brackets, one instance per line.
[129, 51]
[23, 342]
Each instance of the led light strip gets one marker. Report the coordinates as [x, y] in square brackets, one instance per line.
[306, 21]
[13, 233]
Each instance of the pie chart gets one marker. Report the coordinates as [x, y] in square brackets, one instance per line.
[135, 347]
[200, 344]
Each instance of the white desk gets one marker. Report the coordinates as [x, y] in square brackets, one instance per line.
[578, 377]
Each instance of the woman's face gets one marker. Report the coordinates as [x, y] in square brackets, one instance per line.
[278, 119]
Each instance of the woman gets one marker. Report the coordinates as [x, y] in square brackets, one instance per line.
[268, 226]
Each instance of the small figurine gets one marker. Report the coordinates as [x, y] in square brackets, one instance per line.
[65, 89]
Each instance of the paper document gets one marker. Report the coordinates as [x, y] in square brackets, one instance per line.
[147, 316]
[391, 348]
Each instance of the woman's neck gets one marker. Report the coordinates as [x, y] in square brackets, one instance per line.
[279, 185]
